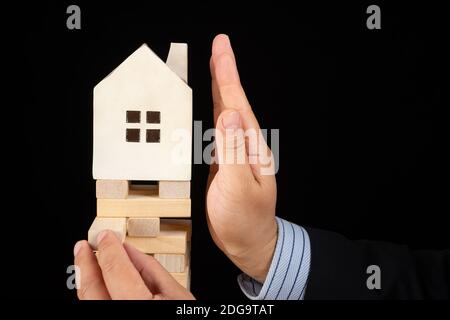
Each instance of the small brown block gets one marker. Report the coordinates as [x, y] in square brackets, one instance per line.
[117, 225]
[112, 189]
[143, 227]
[174, 189]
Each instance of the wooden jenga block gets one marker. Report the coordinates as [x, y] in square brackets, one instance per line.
[176, 263]
[174, 189]
[143, 203]
[178, 224]
[184, 278]
[143, 227]
[171, 262]
[112, 189]
[168, 241]
[117, 225]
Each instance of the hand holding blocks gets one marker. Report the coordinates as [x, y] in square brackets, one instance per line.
[145, 226]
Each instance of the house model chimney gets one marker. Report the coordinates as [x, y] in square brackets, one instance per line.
[177, 60]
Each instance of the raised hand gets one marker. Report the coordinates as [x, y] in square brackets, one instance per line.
[241, 193]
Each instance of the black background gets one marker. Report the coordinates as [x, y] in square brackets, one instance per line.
[363, 136]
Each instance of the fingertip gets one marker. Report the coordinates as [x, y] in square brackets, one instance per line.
[106, 237]
[78, 246]
[102, 235]
[223, 36]
[221, 44]
[89, 281]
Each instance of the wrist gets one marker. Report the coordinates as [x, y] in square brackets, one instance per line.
[256, 261]
[264, 259]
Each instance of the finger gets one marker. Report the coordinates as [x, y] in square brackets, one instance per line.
[228, 90]
[221, 45]
[157, 278]
[217, 100]
[91, 286]
[228, 94]
[231, 151]
[121, 277]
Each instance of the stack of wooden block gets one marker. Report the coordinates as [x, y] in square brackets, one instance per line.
[152, 218]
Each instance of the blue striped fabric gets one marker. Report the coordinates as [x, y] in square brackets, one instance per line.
[288, 273]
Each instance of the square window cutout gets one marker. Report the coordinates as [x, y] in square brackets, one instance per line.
[133, 135]
[133, 116]
[153, 135]
[153, 117]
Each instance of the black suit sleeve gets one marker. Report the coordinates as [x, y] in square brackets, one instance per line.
[339, 270]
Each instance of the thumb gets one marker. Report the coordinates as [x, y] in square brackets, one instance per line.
[231, 154]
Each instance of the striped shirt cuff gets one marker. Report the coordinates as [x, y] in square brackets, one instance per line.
[288, 273]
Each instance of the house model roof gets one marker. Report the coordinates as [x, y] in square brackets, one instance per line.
[176, 62]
